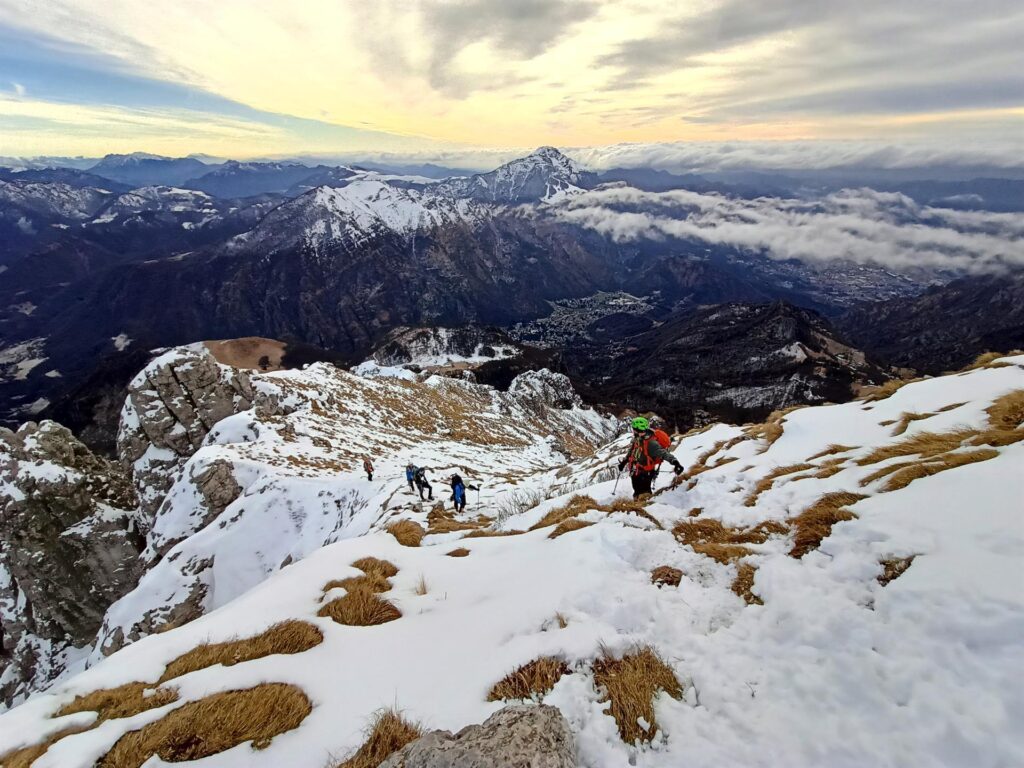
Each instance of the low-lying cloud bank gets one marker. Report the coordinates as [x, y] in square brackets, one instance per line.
[858, 225]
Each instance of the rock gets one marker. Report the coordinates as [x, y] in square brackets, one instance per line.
[518, 736]
[171, 407]
[545, 388]
[70, 548]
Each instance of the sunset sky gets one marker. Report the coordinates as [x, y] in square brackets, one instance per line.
[245, 78]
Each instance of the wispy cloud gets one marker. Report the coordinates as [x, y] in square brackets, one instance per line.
[18, 88]
[856, 225]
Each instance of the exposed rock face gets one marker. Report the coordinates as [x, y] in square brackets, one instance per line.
[171, 407]
[545, 388]
[521, 736]
[69, 549]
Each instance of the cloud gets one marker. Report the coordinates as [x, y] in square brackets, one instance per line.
[862, 226]
[19, 89]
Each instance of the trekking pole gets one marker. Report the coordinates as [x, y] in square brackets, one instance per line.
[616, 488]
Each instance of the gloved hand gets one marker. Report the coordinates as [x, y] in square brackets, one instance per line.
[622, 465]
[678, 469]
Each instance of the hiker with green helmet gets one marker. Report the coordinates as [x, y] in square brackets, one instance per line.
[646, 452]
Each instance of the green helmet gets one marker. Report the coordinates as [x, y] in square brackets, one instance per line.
[640, 424]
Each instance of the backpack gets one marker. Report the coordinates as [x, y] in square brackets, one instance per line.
[662, 437]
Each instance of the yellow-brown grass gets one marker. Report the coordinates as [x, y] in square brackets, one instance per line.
[284, 637]
[530, 681]
[894, 568]
[25, 756]
[421, 586]
[905, 420]
[460, 552]
[123, 701]
[372, 566]
[743, 583]
[924, 444]
[1007, 412]
[373, 582]
[881, 392]
[771, 429]
[360, 608]
[906, 475]
[986, 360]
[563, 622]
[577, 505]
[407, 532]
[388, 734]
[212, 725]
[666, 575]
[440, 520]
[766, 482]
[831, 451]
[567, 526]
[485, 533]
[815, 523]
[950, 407]
[630, 685]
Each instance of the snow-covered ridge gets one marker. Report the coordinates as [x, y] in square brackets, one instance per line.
[843, 656]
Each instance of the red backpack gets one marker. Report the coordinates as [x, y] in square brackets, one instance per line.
[662, 437]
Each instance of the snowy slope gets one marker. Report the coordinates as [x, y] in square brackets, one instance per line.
[833, 669]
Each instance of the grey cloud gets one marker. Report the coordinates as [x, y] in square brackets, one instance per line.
[861, 226]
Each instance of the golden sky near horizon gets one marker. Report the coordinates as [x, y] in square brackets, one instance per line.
[253, 77]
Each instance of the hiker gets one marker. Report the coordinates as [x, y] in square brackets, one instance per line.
[368, 468]
[422, 484]
[458, 493]
[410, 473]
[648, 449]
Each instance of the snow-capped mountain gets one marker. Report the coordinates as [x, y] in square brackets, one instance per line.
[142, 169]
[545, 175]
[234, 179]
[809, 588]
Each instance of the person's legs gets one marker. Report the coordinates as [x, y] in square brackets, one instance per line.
[642, 483]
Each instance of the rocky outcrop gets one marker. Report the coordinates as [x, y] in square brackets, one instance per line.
[521, 736]
[545, 389]
[171, 407]
[69, 548]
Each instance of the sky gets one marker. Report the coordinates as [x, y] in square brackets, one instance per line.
[438, 79]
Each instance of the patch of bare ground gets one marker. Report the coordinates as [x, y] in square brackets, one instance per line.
[1007, 412]
[893, 568]
[832, 450]
[721, 543]
[388, 733]
[248, 352]
[924, 444]
[460, 552]
[666, 576]
[889, 388]
[440, 520]
[766, 482]
[530, 681]
[576, 505]
[407, 532]
[284, 637]
[744, 582]
[360, 608]
[906, 475]
[212, 725]
[567, 526]
[988, 360]
[123, 701]
[25, 756]
[630, 684]
[486, 533]
[815, 523]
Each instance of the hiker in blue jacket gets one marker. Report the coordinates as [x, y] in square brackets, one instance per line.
[410, 474]
[458, 493]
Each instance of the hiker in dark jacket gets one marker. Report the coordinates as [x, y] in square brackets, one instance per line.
[368, 468]
[410, 475]
[645, 456]
[422, 484]
[458, 493]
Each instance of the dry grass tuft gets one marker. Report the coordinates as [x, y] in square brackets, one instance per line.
[530, 681]
[577, 505]
[124, 701]
[285, 637]
[567, 526]
[371, 566]
[771, 429]
[25, 756]
[666, 575]
[832, 450]
[743, 583]
[766, 482]
[485, 533]
[407, 532]
[881, 392]
[986, 360]
[440, 520]
[372, 582]
[421, 586]
[360, 608]
[212, 725]
[563, 622]
[460, 552]
[893, 569]
[906, 475]
[388, 734]
[924, 444]
[630, 685]
[905, 420]
[815, 523]
[1007, 412]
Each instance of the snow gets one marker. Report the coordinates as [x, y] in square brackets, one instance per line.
[832, 670]
[121, 341]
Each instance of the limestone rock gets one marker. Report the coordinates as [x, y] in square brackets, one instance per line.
[518, 736]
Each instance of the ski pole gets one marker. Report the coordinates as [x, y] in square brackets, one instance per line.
[616, 488]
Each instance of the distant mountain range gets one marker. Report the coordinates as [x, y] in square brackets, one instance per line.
[138, 252]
